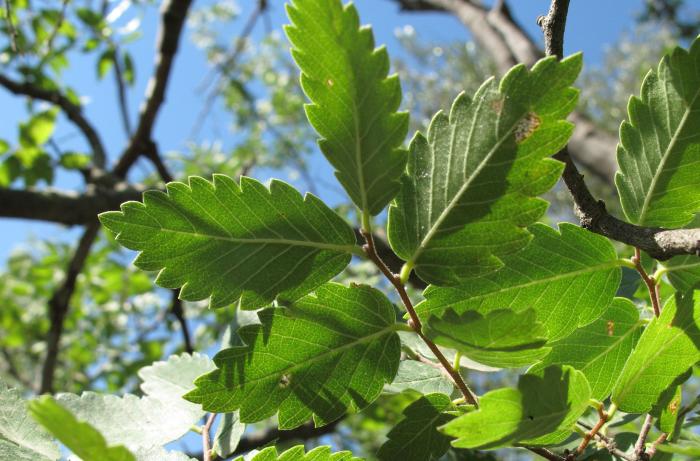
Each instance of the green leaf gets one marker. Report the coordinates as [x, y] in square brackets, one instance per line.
[666, 409]
[228, 434]
[550, 401]
[666, 350]
[80, 437]
[470, 188]
[242, 244]
[568, 278]
[37, 131]
[105, 63]
[601, 348]
[325, 354]
[420, 377]
[500, 338]
[416, 438]
[659, 150]
[297, 454]
[683, 447]
[22, 439]
[74, 160]
[683, 272]
[164, 384]
[129, 70]
[353, 102]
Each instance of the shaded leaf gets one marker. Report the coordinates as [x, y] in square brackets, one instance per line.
[20, 437]
[470, 188]
[234, 243]
[601, 348]
[80, 437]
[500, 338]
[415, 437]
[549, 401]
[353, 102]
[326, 353]
[667, 349]
[659, 150]
[228, 434]
[568, 278]
[420, 377]
[683, 272]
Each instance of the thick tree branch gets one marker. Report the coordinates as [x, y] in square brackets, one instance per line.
[73, 112]
[173, 17]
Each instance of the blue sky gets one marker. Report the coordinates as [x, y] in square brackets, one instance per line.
[593, 25]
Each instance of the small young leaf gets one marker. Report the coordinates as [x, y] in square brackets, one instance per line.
[667, 349]
[659, 148]
[683, 272]
[353, 102]
[326, 353]
[297, 454]
[470, 187]
[37, 131]
[80, 437]
[568, 278]
[547, 402]
[500, 338]
[416, 438]
[21, 438]
[601, 348]
[105, 63]
[234, 243]
[74, 160]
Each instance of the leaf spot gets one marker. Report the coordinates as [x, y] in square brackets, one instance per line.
[611, 327]
[526, 126]
[285, 381]
[329, 82]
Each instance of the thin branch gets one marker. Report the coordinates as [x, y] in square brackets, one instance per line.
[57, 27]
[121, 93]
[58, 306]
[652, 449]
[546, 454]
[602, 419]
[639, 447]
[174, 13]
[206, 437]
[179, 314]
[652, 287]
[73, 112]
[414, 321]
[553, 25]
[11, 28]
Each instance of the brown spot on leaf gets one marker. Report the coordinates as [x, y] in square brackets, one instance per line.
[497, 105]
[526, 127]
[285, 380]
[673, 406]
[329, 82]
[611, 327]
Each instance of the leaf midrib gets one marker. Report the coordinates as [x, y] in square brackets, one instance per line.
[262, 241]
[664, 158]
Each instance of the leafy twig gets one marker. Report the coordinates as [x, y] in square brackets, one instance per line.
[649, 281]
[639, 445]
[414, 321]
[602, 419]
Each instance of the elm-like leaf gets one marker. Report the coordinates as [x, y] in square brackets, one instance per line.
[78, 436]
[501, 338]
[415, 437]
[320, 356]
[667, 349]
[471, 186]
[568, 278]
[322, 453]
[601, 348]
[21, 438]
[659, 150]
[549, 401]
[353, 102]
[683, 272]
[541, 411]
[420, 377]
[234, 243]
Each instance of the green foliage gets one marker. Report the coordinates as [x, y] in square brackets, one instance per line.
[683, 272]
[323, 354]
[470, 185]
[601, 348]
[21, 439]
[297, 454]
[416, 437]
[501, 338]
[353, 102]
[659, 145]
[568, 278]
[544, 404]
[667, 349]
[80, 437]
[204, 235]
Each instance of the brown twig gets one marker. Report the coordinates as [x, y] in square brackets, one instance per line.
[639, 447]
[121, 92]
[546, 454]
[602, 419]
[179, 314]
[652, 287]
[414, 321]
[206, 437]
[652, 449]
